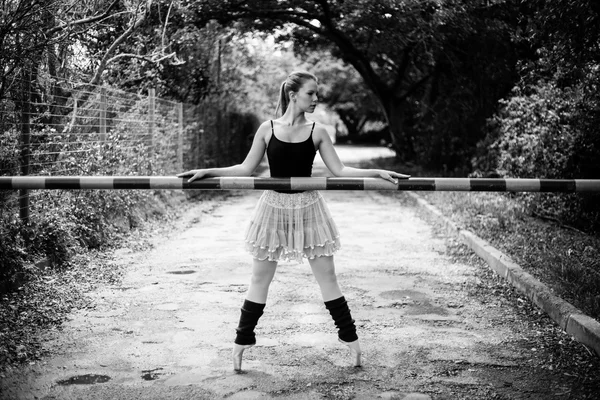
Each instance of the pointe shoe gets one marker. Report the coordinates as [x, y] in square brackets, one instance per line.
[238, 351]
[355, 350]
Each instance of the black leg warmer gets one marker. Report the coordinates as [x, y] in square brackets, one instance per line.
[251, 312]
[340, 313]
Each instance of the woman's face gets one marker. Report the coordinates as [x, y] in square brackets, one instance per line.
[307, 96]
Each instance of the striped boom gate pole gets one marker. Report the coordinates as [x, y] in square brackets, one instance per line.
[317, 183]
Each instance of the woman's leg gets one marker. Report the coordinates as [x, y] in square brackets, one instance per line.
[262, 275]
[324, 271]
[263, 272]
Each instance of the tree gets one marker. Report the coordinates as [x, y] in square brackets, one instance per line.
[399, 48]
[343, 91]
[563, 37]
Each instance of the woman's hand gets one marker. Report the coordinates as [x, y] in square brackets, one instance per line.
[392, 176]
[194, 173]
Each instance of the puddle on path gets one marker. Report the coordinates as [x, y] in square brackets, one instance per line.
[427, 308]
[182, 272]
[152, 374]
[88, 379]
[414, 302]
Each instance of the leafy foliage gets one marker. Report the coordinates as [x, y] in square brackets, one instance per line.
[344, 92]
[562, 36]
[546, 135]
[547, 128]
[37, 309]
[535, 134]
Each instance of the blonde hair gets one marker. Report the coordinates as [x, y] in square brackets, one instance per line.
[293, 83]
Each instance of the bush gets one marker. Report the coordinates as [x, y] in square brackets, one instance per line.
[548, 133]
[51, 236]
[64, 223]
[13, 256]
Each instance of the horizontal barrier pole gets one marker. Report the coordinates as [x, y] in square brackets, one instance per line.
[322, 183]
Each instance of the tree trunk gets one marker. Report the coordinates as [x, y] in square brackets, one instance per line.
[400, 128]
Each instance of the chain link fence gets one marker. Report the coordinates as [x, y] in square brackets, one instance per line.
[55, 127]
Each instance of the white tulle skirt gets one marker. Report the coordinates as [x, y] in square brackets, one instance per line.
[291, 226]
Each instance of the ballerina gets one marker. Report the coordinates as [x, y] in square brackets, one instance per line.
[293, 225]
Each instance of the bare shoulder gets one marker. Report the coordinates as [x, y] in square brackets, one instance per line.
[320, 132]
[264, 131]
[264, 127]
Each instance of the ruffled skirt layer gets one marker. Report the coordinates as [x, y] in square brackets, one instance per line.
[291, 227]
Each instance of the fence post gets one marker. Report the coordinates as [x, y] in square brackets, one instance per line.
[102, 114]
[151, 117]
[203, 143]
[180, 136]
[25, 148]
[151, 110]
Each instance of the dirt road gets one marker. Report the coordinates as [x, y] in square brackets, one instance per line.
[432, 325]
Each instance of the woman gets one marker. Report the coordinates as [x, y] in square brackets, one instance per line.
[293, 224]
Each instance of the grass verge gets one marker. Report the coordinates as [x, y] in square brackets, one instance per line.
[41, 304]
[565, 259]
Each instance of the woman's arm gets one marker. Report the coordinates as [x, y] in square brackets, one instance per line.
[337, 167]
[246, 168]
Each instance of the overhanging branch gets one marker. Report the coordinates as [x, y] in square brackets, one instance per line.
[114, 45]
[154, 58]
[83, 21]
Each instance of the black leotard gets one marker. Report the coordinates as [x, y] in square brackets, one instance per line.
[290, 159]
